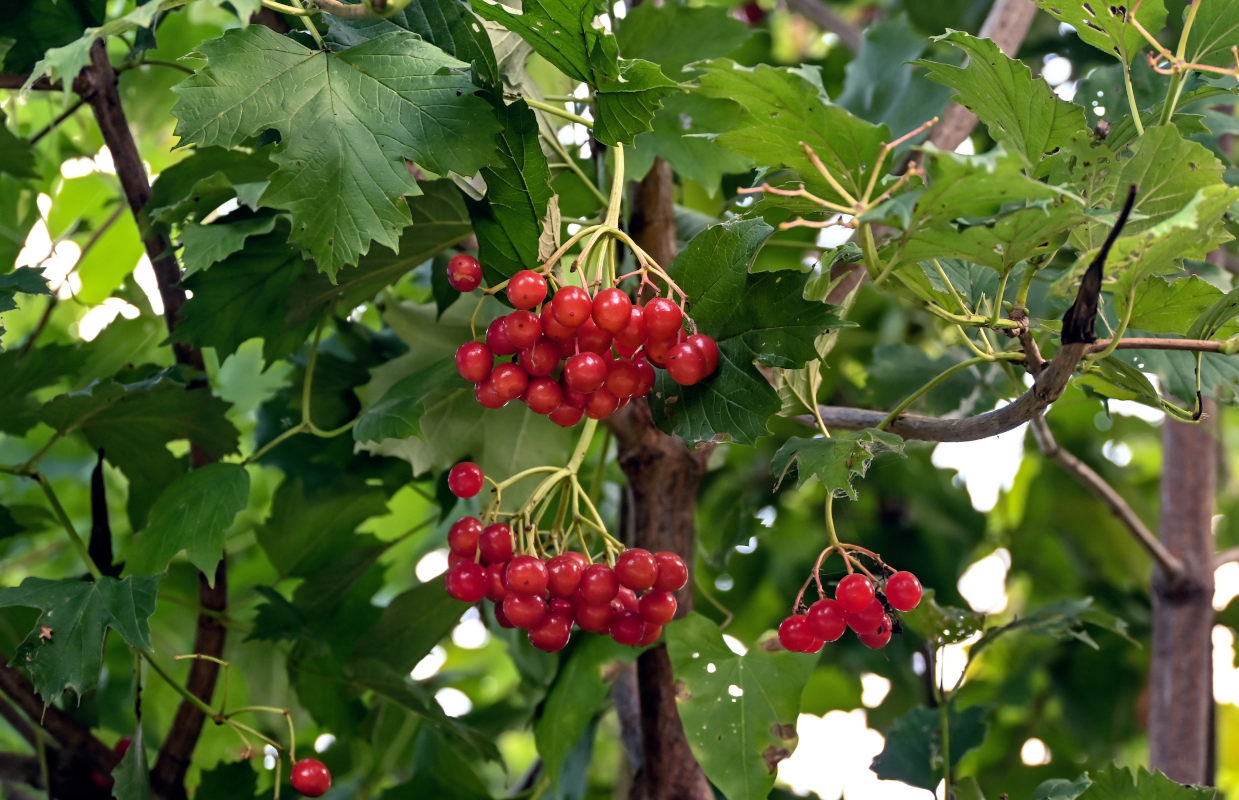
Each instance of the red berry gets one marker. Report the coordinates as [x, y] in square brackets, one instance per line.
[552, 633]
[465, 479]
[501, 617]
[672, 572]
[571, 306]
[495, 543]
[658, 608]
[794, 634]
[488, 396]
[552, 328]
[657, 350]
[462, 537]
[601, 404]
[623, 378]
[464, 273]
[454, 558]
[636, 569]
[523, 329]
[866, 622]
[592, 338]
[311, 777]
[509, 380]
[564, 573]
[585, 372]
[495, 588]
[903, 591]
[541, 359]
[685, 364]
[497, 340]
[543, 395]
[525, 574]
[561, 606]
[566, 416]
[473, 361]
[612, 309]
[524, 610]
[633, 332]
[826, 620]
[598, 584]
[526, 289]
[122, 745]
[854, 593]
[880, 637]
[708, 349]
[594, 617]
[627, 628]
[652, 632]
[626, 600]
[466, 582]
[663, 319]
[646, 374]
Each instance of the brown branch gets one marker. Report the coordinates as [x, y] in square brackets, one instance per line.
[1225, 557]
[71, 735]
[1098, 485]
[824, 17]
[1006, 24]
[40, 84]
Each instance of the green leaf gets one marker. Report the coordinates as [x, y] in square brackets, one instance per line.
[228, 781]
[508, 221]
[561, 31]
[682, 135]
[834, 461]
[23, 280]
[1120, 783]
[132, 775]
[739, 712]
[625, 103]
[779, 109]
[1062, 789]
[45, 24]
[583, 683]
[1168, 306]
[397, 413]
[1219, 374]
[1064, 620]
[347, 122]
[656, 33]
[913, 750]
[201, 183]
[1105, 27]
[209, 244]
[1214, 32]
[64, 651]
[65, 62]
[1022, 114]
[16, 154]
[133, 424]
[942, 624]
[753, 318]
[413, 623]
[192, 514]
[308, 532]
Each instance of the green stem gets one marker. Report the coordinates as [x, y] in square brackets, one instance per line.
[307, 385]
[582, 446]
[1131, 100]
[1118, 334]
[932, 383]
[615, 201]
[67, 523]
[271, 445]
[283, 9]
[1002, 290]
[955, 295]
[944, 725]
[193, 699]
[310, 26]
[573, 167]
[564, 113]
[869, 247]
[831, 534]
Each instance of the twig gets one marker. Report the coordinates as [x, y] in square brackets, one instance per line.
[825, 18]
[1082, 472]
[1225, 557]
[61, 117]
[10, 81]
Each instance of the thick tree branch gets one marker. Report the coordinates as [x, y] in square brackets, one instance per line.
[1170, 563]
[824, 17]
[63, 728]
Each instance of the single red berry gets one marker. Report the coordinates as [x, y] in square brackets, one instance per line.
[647, 376]
[564, 573]
[903, 591]
[623, 378]
[612, 309]
[561, 606]
[509, 380]
[465, 479]
[466, 582]
[593, 617]
[826, 620]
[636, 568]
[633, 332]
[708, 349]
[815, 646]
[523, 329]
[566, 415]
[543, 395]
[658, 608]
[601, 404]
[794, 634]
[657, 350]
[685, 364]
[572, 397]
[462, 537]
[854, 593]
[627, 628]
[464, 273]
[663, 319]
[552, 328]
[598, 584]
[495, 588]
[525, 574]
[879, 638]
[652, 632]
[672, 572]
[524, 610]
[311, 777]
[488, 396]
[497, 340]
[571, 306]
[454, 558]
[592, 338]
[585, 372]
[866, 622]
[552, 633]
[473, 361]
[526, 289]
[495, 543]
[541, 359]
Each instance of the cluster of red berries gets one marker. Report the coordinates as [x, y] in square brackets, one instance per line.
[857, 605]
[608, 347]
[311, 777]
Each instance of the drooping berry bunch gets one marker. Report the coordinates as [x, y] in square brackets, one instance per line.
[551, 595]
[577, 354]
[865, 604]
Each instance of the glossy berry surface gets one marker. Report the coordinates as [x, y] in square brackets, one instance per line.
[879, 638]
[585, 372]
[526, 289]
[637, 569]
[826, 620]
[571, 306]
[495, 543]
[526, 574]
[903, 591]
[474, 361]
[564, 574]
[465, 479]
[552, 633]
[462, 537]
[467, 582]
[627, 628]
[657, 608]
[854, 593]
[524, 610]
[708, 349]
[599, 584]
[464, 273]
[662, 318]
[794, 634]
[311, 777]
[672, 572]
[611, 310]
[685, 364]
